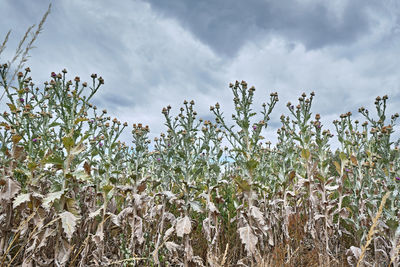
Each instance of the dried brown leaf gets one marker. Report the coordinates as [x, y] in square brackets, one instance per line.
[21, 198]
[168, 233]
[87, 167]
[183, 226]
[68, 221]
[172, 247]
[10, 189]
[248, 239]
[138, 229]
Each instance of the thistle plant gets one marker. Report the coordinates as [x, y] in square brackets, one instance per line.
[246, 153]
[70, 188]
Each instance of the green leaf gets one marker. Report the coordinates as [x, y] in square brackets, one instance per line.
[305, 154]
[54, 124]
[68, 142]
[338, 167]
[219, 154]
[107, 188]
[51, 197]
[342, 156]
[54, 159]
[215, 167]
[82, 176]
[251, 164]
[12, 107]
[78, 120]
[196, 206]
[243, 184]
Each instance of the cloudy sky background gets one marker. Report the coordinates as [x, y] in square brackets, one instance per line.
[154, 53]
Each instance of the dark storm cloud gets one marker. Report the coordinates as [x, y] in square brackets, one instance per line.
[227, 25]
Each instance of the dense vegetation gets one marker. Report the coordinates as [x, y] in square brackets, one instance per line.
[207, 193]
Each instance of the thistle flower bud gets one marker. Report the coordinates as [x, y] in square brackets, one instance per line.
[94, 75]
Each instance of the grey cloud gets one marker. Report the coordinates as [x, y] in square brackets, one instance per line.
[227, 25]
[156, 53]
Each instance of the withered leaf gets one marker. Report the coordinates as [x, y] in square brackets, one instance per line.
[21, 198]
[172, 247]
[183, 226]
[16, 138]
[87, 168]
[292, 174]
[10, 189]
[257, 215]
[18, 152]
[78, 149]
[354, 160]
[248, 239]
[68, 221]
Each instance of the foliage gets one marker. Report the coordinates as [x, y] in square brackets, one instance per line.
[72, 193]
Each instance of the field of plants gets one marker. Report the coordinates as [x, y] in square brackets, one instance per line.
[204, 193]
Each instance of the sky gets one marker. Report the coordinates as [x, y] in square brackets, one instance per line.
[154, 53]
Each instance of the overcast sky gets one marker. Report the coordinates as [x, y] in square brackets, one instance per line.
[154, 53]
